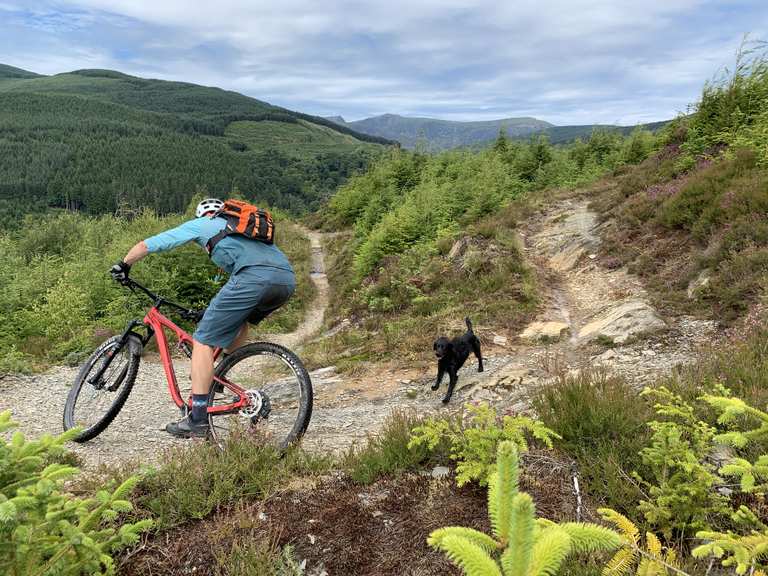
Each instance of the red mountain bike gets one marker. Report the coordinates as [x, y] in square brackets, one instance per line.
[262, 385]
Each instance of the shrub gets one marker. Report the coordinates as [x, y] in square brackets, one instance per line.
[389, 451]
[473, 441]
[602, 424]
[732, 107]
[255, 557]
[196, 480]
[680, 482]
[522, 545]
[46, 531]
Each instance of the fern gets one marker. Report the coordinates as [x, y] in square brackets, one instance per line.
[476, 537]
[746, 553]
[523, 545]
[470, 557]
[551, 548]
[752, 476]
[680, 484]
[653, 560]
[474, 442]
[520, 547]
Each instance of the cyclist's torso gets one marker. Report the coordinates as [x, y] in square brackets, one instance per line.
[231, 254]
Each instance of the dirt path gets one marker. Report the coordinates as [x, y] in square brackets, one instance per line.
[313, 319]
[581, 301]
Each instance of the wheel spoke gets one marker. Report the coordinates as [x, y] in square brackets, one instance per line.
[275, 389]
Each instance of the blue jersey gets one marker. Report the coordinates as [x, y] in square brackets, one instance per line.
[231, 254]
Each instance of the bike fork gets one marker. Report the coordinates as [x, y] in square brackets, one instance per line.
[116, 350]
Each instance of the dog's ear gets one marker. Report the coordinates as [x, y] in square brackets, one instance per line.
[434, 345]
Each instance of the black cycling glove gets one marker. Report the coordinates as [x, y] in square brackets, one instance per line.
[120, 271]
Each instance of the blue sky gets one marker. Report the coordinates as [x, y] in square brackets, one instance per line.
[567, 62]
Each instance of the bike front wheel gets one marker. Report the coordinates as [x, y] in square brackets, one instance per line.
[93, 403]
[278, 387]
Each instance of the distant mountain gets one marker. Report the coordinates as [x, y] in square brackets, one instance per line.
[101, 140]
[12, 72]
[442, 134]
[437, 134]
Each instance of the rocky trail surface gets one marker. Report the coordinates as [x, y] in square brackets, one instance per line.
[590, 316]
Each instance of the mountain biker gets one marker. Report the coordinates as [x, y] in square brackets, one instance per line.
[261, 281]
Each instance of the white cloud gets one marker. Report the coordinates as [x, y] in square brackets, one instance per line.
[577, 61]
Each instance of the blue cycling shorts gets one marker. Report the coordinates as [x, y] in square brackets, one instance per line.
[250, 295]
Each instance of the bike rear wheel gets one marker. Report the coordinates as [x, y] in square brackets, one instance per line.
[280, 391]
[93, 405]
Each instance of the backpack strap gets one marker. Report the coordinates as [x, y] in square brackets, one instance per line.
[223, 233]
[211, 244]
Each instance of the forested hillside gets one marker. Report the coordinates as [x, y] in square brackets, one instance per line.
[99, 141]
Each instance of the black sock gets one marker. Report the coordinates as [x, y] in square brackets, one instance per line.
[199, 407]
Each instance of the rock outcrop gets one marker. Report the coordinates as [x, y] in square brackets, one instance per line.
[623, 321]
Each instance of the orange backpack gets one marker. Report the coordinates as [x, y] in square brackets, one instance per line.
[245, 220]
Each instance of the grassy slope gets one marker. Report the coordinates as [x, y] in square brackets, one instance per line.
[296, 139]
[714, 208]
[672, 226]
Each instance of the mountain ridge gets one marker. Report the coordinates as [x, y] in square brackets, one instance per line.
[439, 134]
[8, 71]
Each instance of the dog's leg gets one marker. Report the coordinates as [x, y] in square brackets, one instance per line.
[440, 374]
[478, 354]
[453, 378]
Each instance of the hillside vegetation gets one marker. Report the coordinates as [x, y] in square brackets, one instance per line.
[59, 300]
[693, 219]
[676, 473]
[100, 141]
[432, 238]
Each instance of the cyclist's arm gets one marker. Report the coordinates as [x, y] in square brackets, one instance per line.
[164, 241]
[136, 253]
[174, 237]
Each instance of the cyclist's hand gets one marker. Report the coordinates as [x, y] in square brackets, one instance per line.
[120, 271]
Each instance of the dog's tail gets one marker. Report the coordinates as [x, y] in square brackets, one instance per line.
[469, 324]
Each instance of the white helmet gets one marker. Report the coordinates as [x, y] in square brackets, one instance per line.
[208, 205]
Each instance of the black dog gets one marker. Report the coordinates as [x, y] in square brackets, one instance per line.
[451, 355]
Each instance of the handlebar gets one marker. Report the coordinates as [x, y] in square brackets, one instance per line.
[158, 301]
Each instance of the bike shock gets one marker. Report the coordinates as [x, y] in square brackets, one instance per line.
[186, 348]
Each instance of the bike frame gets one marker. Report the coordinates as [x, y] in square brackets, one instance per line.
[157, 324]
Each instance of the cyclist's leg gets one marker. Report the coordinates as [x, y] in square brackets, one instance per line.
[202, 367]
[240, 339]
[219, 327]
